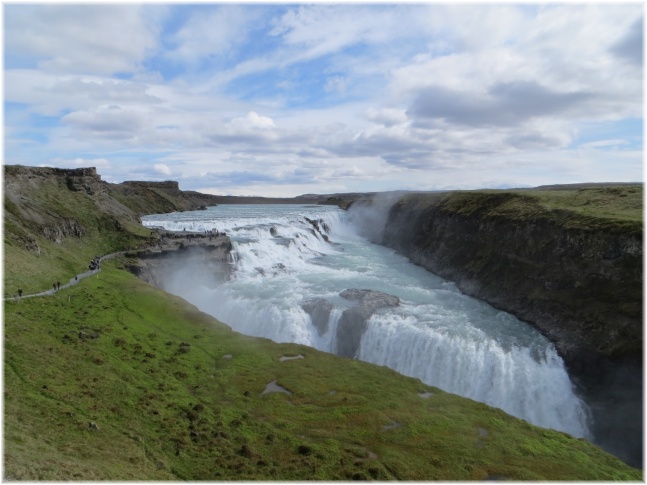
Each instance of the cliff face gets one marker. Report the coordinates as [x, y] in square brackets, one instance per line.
[580, 286]
[208, 255]
[77, 179]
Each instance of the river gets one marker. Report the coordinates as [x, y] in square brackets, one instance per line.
[280, 261]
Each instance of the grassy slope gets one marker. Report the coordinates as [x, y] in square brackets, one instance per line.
[152, 373]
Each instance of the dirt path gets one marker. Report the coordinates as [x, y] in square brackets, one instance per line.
[72, 281]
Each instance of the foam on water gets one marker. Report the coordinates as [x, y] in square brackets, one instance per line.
[437, 334]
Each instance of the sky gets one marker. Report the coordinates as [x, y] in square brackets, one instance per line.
[287, 99]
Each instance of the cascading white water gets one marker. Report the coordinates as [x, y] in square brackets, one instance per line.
[437, 334]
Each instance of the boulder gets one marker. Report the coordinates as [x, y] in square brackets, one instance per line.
[319, 311]
[353, 322]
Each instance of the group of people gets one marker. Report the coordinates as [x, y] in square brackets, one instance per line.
[95, 263]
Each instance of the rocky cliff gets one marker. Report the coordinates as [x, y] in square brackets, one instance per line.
[565, 262]
[579, 283]
[172, 251]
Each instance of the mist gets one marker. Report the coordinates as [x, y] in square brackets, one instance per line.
[368, 216]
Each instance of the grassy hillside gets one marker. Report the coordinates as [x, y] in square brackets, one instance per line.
[115, 380]
[52, 232]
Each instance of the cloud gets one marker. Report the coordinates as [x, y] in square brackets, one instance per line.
[99, 163]
[83, 39]
[212, 32]
[111, 121]
[103, 90]
[630, 46]
[530, 140]
[503, 104]
[387, 116]
[335, 84]
[162, 169]
[252, 121]
[320, 30]
[347, 96]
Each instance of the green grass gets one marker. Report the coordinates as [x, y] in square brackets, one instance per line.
[609, 208]
[152, 373]
[624, 202]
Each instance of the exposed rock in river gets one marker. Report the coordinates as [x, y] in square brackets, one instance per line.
[319, 311]
[320, 227]
[353, 322]
[371, 298]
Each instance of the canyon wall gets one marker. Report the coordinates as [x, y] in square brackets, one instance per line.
[580, 285]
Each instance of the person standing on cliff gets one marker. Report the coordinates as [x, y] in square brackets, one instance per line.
[19, 292]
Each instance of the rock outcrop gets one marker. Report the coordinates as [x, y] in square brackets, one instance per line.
[64, 227]
[160, 259]
[167, 184]
[84, 180]
[319, 311]
[354, 320]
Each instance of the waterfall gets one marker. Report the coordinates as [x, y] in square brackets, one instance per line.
[533, 387]
[288, 257]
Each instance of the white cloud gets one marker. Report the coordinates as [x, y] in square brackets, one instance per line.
[320, 30]
[212, 31]
[110, 121]
[253, 121]
[335, 84]
[387, 116]
[162, 168]
[80, 39]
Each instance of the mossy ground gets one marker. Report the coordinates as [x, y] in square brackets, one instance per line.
[176, 395]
